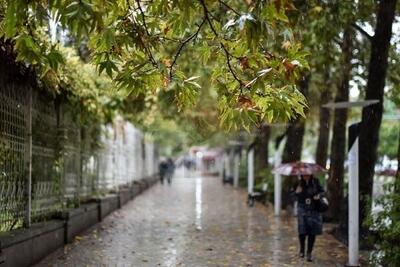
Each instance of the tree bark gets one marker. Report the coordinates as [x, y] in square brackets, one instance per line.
[324, 126]
[338, 145]
[294, 143]
[372, 115]
[262, 146]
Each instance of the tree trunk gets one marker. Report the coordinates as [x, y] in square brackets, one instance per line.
[338, 145]
[372, 115]
[294, 141]
[324, 126]
[294, 144]
[262, 146]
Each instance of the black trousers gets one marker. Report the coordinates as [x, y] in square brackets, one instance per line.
[310, 243]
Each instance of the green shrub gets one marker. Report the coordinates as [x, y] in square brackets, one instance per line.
[385, 227]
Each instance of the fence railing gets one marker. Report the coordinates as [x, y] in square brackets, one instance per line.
[49, 162]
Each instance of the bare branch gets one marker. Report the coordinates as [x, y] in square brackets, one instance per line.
[362, 31]
[183, 43]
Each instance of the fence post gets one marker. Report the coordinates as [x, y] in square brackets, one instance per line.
[28, 158]
[81, 157]
[61, 131]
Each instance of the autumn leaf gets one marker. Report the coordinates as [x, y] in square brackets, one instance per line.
[288, 65]
[244, 62]
[245, 102]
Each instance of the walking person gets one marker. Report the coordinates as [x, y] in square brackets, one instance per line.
[170, 170]
[309, 219]
[163, 168]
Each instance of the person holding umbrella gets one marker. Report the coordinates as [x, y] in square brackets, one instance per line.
[310, 202]
[309, 218]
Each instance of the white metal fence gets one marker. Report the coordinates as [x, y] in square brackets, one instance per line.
[49, 161]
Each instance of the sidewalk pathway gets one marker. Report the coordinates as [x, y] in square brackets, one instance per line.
[196, 221]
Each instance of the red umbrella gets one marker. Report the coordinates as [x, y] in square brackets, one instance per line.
[298, 168]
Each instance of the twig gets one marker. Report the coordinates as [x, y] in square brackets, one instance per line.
[227, 54]
[228, 59]
[152, 59]
[187, 40]
[362, 31]
[229, 7]
[143, 17]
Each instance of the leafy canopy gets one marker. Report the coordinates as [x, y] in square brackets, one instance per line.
[248, 46]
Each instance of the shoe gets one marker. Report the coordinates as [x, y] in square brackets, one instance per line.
[301, 254]
[309, 257]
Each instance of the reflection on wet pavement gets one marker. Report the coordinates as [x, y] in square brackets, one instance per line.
[198, 203]
[194, 222]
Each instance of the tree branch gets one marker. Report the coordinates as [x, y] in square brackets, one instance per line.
[143, 17]
[183, 43]
[362, 31]
[229, 7]
[228, 61]
[227, 54]
[153, 61]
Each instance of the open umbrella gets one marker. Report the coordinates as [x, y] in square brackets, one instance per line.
[298, 168]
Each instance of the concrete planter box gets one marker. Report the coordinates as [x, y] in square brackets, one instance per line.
[135, 190]
[154, 179]
[107, 205]
[80, 219]
[148, 181]
[151, 180]
[124, 196]
[25, 247]
[143, 185]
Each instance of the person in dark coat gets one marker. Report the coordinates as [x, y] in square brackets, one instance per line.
[309, 221]
[163, 168]
[170, 170]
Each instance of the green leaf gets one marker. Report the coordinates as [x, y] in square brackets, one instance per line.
[10, 20]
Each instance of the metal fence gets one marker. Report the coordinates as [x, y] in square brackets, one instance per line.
[49, 162]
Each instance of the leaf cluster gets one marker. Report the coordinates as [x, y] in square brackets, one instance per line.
[139, 44]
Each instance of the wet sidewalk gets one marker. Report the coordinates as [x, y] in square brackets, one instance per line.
[196, 221]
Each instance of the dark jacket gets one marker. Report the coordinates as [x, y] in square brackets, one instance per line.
[309, 220]
[310, 189]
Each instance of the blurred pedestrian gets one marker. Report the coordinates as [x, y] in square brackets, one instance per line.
[170, 169]
[163, 169]
[309, 220]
